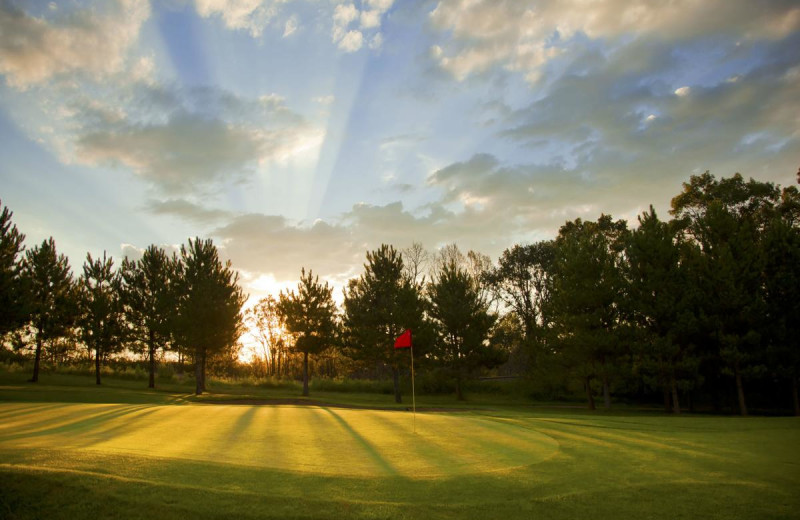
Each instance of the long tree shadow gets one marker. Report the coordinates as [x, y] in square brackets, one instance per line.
[373, 453]
[77, 425]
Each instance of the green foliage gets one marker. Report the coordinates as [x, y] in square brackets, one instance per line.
[463, 323]
[101, 314]
[209, 301]
[584, 307]
[309, 316]
[50, 295]
[378, 307]
[149, 292]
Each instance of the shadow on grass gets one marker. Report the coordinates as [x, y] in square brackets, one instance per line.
[373, 453]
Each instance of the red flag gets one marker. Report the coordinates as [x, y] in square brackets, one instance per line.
[404, 341]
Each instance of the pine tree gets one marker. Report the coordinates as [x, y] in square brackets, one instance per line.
[209, 303]
[463, 322]
[378, 307]
[148, 294]
[11, 297]
[101, 312]
[50, 295]
[309, 315]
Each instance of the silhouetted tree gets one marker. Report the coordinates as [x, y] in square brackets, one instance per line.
[463, 322]
[49, 294]
[149, 296]
[378, 307]
[585, 296]
[100, 309]
[209, 304]
[727, 219]
[11, 296]
[782, 298]
[310, 316]
[661, 299]
[264, 324]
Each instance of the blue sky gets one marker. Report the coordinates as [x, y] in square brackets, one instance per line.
[301, 133]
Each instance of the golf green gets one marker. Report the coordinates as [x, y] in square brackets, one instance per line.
[307, 439]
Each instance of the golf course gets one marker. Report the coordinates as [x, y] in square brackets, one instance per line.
[72, 450]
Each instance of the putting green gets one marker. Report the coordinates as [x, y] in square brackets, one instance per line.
[306, 439]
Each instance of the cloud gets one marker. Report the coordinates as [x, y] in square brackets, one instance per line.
[209, 136]
[249, 15]
[351, 41]
[290, 27]
[477, 35]
[95, 41]
[343, 16]
[324, 100]
[615, 138]
[187, 210]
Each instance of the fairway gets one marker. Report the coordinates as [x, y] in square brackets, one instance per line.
[120, 452]
[308, 439]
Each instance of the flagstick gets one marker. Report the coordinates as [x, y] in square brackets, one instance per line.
[413, 397]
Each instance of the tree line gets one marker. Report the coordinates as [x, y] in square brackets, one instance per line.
[694, 307]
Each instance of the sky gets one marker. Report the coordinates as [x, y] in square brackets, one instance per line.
[303, 133]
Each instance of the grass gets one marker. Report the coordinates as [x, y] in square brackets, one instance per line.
[71, 450]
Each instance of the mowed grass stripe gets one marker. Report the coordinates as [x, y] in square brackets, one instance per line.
[305, 439]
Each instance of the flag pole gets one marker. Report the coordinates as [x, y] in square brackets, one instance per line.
[413, 396]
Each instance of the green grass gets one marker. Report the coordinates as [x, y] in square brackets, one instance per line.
[71, 450]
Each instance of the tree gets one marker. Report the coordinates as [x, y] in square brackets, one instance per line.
[521, 281]
[310, 316]
[585, 298]
[49, 294]
[264, 324]
[415, 260]
[661, 300]
[149, 295]
[378, 306]
[727, 220]
[209, 302]
[782, 300]
[101, 313]
[11, 248]
[463, 322]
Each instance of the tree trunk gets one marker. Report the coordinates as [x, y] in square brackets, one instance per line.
[459, 390]
[198, 374]
[35, 378]
[794, 396]
[396, 377]
[152, 360]
[97, 365]
[203, 371]
[667, 405]
[740, 389]
[305, 374]
[589, 396]
[676, 407]
[606, 393]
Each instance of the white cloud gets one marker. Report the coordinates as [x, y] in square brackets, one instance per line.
[324, 100]
[352, 41]
[376, 42]
[208, 137]
[343, 16]
[370, 19]
[683, 91]
[249, 15]
[290, 27]
[95, 41]
[479, 34]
